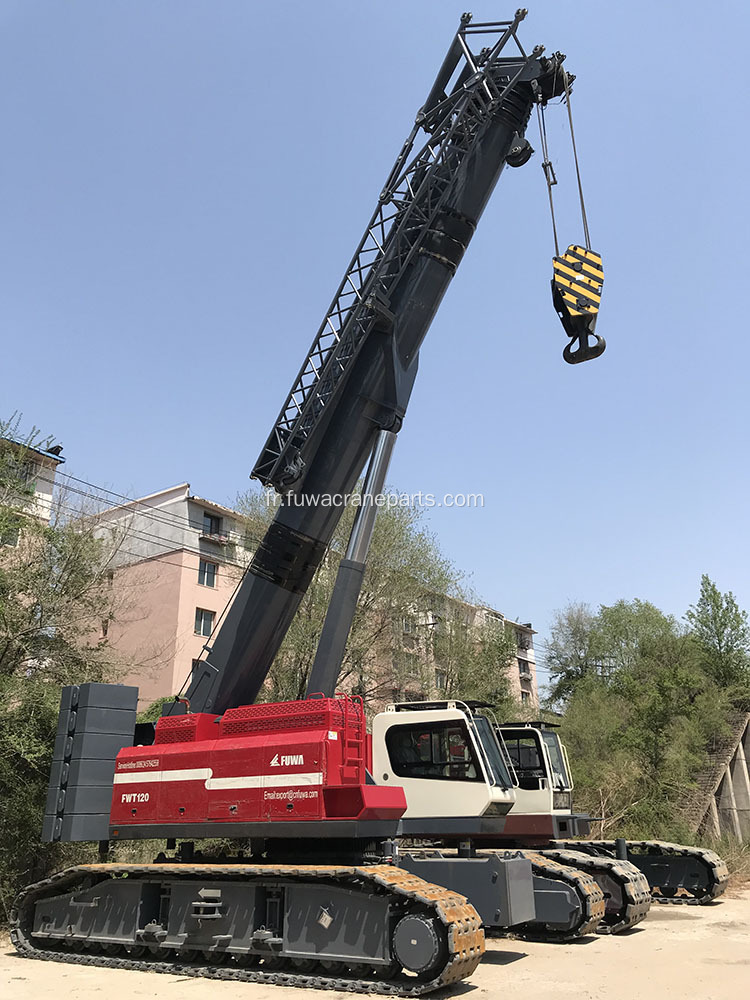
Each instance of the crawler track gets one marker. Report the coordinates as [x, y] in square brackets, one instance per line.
[463, 935]
[591, 903]
[627, 898]
[675, 873]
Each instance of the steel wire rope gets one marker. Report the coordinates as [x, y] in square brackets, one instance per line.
[584, 218]
[549, 173]
[157, 542]
[148, 536]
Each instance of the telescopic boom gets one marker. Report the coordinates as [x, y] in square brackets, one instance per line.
[357, 377]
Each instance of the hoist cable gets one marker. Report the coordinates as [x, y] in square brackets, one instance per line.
[575, 157]
[548, 173]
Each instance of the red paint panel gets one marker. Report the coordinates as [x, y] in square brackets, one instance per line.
[186, 728]
[364, 802]
[524, 824]
[274, 762]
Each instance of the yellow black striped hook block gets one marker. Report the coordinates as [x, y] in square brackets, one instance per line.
[577, 293]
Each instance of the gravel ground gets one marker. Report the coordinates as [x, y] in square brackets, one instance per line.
[677, 953]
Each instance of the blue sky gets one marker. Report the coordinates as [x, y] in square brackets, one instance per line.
[184, 181]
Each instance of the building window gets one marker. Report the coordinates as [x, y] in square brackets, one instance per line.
[29, 473]
[207, 573]
[441, 679]
[211, 524]
[204, 621]
[408, 625]
[525, 697]
[524, 669]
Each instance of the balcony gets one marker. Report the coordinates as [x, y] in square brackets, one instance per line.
[524, 670]
[217, 539]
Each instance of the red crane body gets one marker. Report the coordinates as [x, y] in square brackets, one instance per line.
[289, 761]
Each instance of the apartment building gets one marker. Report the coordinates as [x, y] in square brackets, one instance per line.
[425, 656]
[38, 469]
[179, 560]
[523, 677]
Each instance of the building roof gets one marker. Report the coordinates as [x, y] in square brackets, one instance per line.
[213, 504]
[54, 459]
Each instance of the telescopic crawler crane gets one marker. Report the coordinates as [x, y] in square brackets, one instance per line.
[321, 900]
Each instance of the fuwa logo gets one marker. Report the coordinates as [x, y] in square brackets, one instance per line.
[287, 761]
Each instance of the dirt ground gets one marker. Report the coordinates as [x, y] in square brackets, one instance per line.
[677, 953]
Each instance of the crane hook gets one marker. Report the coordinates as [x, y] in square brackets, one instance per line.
[578, 277]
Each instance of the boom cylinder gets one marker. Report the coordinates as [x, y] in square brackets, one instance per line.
[340, 615]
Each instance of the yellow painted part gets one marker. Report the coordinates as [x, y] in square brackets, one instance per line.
[571, 300]
[592, 262]
[572, 283]
[575, 287]
[578, 276]
[574, 309]
[591, 255]
[596, 274]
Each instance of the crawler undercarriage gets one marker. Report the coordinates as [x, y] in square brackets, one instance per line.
[367, 929]
[675, 873]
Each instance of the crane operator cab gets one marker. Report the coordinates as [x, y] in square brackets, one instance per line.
[545, 784]
[540, 762]
[445, 756]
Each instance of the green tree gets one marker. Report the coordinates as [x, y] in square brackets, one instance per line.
[393, 649]
[607, 774]
[570, 653]
[675, 709]
[639, 718]
[54, 595]
[722, 632]
[585, 644]
[471, 652]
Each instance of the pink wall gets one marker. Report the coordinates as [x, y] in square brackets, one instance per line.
[188, 645]
[143, 634]
[155, 627]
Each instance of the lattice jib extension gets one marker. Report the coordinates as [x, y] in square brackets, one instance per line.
[447, 125]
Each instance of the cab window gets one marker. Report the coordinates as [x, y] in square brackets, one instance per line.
[438, 750]
[562, 779]
[526, 756]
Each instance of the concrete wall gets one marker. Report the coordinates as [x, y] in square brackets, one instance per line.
[727, 809]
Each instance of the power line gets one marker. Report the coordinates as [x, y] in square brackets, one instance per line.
[154, 541]
[158, 514]
[180, 523]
